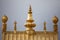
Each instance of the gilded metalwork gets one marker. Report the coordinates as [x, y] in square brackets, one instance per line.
[15, 26]
[55, 21]
[29, 23]
[4, 19]
[4, 25]
[45, 27]
[29, 33]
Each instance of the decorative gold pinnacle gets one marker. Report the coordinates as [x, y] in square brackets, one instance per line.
[15, 26]
[30, 9]
[29, 22]
[30, 18]
[44, 25]
[4, 25]
[55, 21]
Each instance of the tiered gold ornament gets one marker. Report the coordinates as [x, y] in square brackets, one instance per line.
[29, 23]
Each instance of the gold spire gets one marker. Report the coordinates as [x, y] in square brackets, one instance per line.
[29, 22]
[30, 9]
[44, 26]
[30, 14]
[15, 26]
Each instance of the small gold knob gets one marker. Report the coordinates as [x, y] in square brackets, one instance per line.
[4, 19]
[55, 20]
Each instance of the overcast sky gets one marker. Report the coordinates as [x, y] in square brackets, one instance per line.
[17, 10]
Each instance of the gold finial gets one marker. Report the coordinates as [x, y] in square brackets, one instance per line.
[30, 14]
[44, 26]
[4, 19]
[15, 26]
[4, 25]
[55, 19]
[30, 9]
[29, 23]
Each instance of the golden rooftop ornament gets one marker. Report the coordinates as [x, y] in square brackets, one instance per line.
[29, 33]
[55, 21]
[45, 27]
[29, 23]
[4, 25]
[15, 26]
